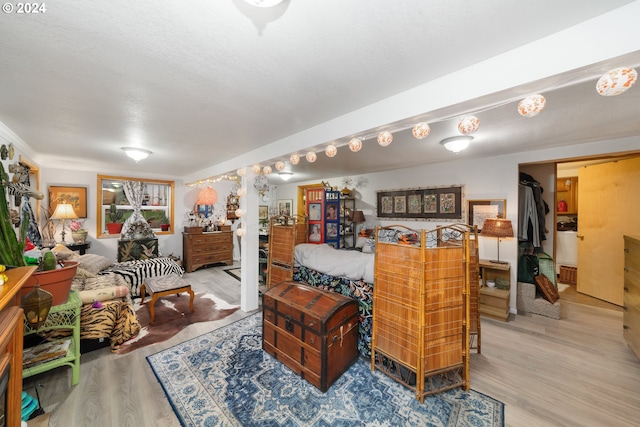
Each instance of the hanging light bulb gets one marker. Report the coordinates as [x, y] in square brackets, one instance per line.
[355, 144]
[294, 159]
[331, 150]
[279, 166]
[468, 125]
[616, 81]
[532, 105]
[267, 170]
[421, 130]
[241, 172]
[241, 192]
[385, 138]
[311, 157]
[256, 169]
[239, 212]
[240, 232]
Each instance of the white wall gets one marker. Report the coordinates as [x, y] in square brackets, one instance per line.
[490, 178]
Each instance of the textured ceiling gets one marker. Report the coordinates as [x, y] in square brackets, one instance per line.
[203, 82]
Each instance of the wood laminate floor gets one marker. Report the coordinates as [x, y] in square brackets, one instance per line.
[576, 371]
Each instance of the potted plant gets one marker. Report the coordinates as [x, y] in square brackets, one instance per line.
[164, 222]
[115, 215]
[78, 233]
[50, 276]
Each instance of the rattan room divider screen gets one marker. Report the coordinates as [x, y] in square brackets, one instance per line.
[285, 232]
[421, 309]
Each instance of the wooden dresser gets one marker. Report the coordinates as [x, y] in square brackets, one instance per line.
[200, 249]
[631, 316]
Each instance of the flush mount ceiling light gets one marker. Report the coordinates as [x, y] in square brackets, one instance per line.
[532, 105]
[263, 3]
[456, 143]
[136, 154]
[616, 81]
[285, 175]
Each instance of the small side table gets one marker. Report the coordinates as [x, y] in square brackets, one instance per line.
[63, 316]
[161, 286]
[81, 247]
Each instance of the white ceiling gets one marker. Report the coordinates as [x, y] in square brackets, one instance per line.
[201, 83]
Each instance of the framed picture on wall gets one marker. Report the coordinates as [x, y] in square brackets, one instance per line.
[263, 212]
[75, 196]
[479, 210]
[285, 207]
[425, 203]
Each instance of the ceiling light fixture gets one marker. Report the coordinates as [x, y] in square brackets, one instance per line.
[136, 154]
[355, 144]
[532, 105]
[421, 130]
[285, 175]
[456, 143]
[468, 125]
[616, 81]
[385, 138]
[263, 3]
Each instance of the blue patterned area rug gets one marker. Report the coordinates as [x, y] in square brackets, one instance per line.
[223, 378]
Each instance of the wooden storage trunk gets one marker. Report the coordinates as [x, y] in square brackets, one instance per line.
[312, 331]
[568, 275]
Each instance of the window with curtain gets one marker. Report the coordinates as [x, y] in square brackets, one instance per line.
[156, 205]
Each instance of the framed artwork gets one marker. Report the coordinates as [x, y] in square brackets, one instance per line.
[315, 211]
[315, 233]
[75, 196]
[285, 207]
[428, 203]
[479, 210]
[263, 212]
[331, 211]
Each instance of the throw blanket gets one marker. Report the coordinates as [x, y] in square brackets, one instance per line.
[326, 259]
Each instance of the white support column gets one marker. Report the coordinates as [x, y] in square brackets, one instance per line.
[249, 245]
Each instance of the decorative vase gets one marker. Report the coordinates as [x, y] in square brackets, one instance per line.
[114, 227]
[79, 236]
[57, 282]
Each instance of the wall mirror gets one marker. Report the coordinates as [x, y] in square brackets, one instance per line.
[157, 205]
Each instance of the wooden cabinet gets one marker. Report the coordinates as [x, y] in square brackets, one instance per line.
[200, 249]
[494, 302]
[567, 191]
[631, 316]
[420, 334]
[11, 324]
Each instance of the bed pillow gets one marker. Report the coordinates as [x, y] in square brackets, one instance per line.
[547, 288]
[93, 263]
[369, 246]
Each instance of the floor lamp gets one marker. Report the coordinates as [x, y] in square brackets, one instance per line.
[64, 211]
[499, 228]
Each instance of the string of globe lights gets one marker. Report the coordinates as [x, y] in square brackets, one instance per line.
[612, 83]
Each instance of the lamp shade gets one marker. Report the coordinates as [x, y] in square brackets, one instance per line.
[64, 211]
[497, 227]
[207, 196]
[357, 216]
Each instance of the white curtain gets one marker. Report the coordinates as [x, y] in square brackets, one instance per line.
[136, 227]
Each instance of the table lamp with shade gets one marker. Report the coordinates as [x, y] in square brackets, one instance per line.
[499, 228]
[64, 211]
